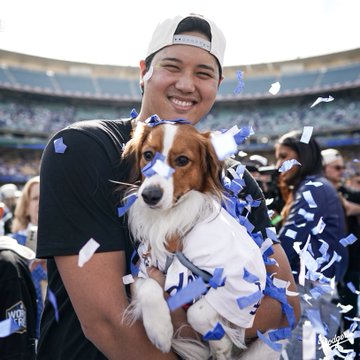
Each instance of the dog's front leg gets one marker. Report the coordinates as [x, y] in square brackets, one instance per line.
[203, 317]
[155, 313]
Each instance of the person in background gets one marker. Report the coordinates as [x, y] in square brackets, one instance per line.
[24, 230]
[80, 168]
[312, 217]
[334, 168]
[9, 194]
[17, 301]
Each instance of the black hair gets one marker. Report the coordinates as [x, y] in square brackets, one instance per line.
[190, 23]
[309, 155]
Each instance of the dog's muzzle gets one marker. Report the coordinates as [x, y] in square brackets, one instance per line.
[152, 195]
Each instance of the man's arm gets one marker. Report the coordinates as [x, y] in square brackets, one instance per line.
[99, 299]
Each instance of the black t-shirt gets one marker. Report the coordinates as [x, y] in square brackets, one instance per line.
[78, 201]
[17, 300]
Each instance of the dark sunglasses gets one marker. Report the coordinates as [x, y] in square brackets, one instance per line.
[338, 167]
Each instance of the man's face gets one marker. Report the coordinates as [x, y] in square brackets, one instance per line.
[335, 171]
[183, 84]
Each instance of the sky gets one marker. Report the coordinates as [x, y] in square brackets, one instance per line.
[109, 32]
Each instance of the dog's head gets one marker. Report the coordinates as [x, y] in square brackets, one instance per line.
[186, 150]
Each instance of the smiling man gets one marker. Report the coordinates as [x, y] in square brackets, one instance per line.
[78, 201]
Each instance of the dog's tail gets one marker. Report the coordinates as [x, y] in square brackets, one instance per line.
[190, 349]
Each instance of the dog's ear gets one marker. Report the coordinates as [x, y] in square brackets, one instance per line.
[132, 152]
[212, 166]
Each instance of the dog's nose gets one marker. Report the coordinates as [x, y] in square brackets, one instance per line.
[152, 195]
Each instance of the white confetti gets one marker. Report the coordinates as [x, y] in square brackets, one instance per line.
[309, 199]
[128, 279]
[87, 251]
[224, 145]
[275, 88]
[306, 134]
[321, 99]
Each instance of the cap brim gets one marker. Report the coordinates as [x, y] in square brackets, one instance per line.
[8, 243]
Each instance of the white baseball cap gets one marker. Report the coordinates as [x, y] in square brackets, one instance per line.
[9, 243]
[164, 35]
[330, 155]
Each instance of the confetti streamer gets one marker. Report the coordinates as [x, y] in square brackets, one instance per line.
[288, 164]
[321, 99]
[251, 278]
[216, 333]
[53, 302]
[187, 294]
[275, 88]
[241, 84]
[129, 202]
[245, 301]
[306, 134]
[8, 327]
[275, 346]
[217, 279]
[87, 251]
[59, 145]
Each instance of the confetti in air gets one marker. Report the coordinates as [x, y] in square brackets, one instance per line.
[275, 88]
[321, 99]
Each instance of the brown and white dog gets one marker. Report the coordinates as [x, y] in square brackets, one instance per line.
[182, 212]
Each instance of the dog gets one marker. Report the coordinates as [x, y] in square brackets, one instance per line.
[181, 212]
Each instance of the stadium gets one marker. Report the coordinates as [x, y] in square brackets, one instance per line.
[39, 96]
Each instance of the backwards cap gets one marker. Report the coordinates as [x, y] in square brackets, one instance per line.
[330, 155]
[164, 35]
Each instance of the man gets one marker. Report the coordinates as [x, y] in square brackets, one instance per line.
[80, 167]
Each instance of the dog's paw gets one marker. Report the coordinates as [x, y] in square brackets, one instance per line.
[156, 315]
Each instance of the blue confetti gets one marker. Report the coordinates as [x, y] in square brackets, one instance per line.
[8, 327]
[129, 202]
[315, 318]
[155, 120]
[148, 170]
[245, 301]
[250, 278]
[59, 145]
[133, 114]
[216, 333]
[187, 294]
[280, 334]
[267, 341]
[217, 279]
[52, 299]
[241, 83]
[243, 134]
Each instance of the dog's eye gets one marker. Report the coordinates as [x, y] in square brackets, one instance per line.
[148, 155]
[181, 161]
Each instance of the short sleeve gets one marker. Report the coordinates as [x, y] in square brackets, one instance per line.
[78, 195]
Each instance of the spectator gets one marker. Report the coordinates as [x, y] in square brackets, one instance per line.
[9, 195]
[334, 169]
[312, 216]
[17, 300]
[24, 230]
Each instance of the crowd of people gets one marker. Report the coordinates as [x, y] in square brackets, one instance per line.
[75, 312]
